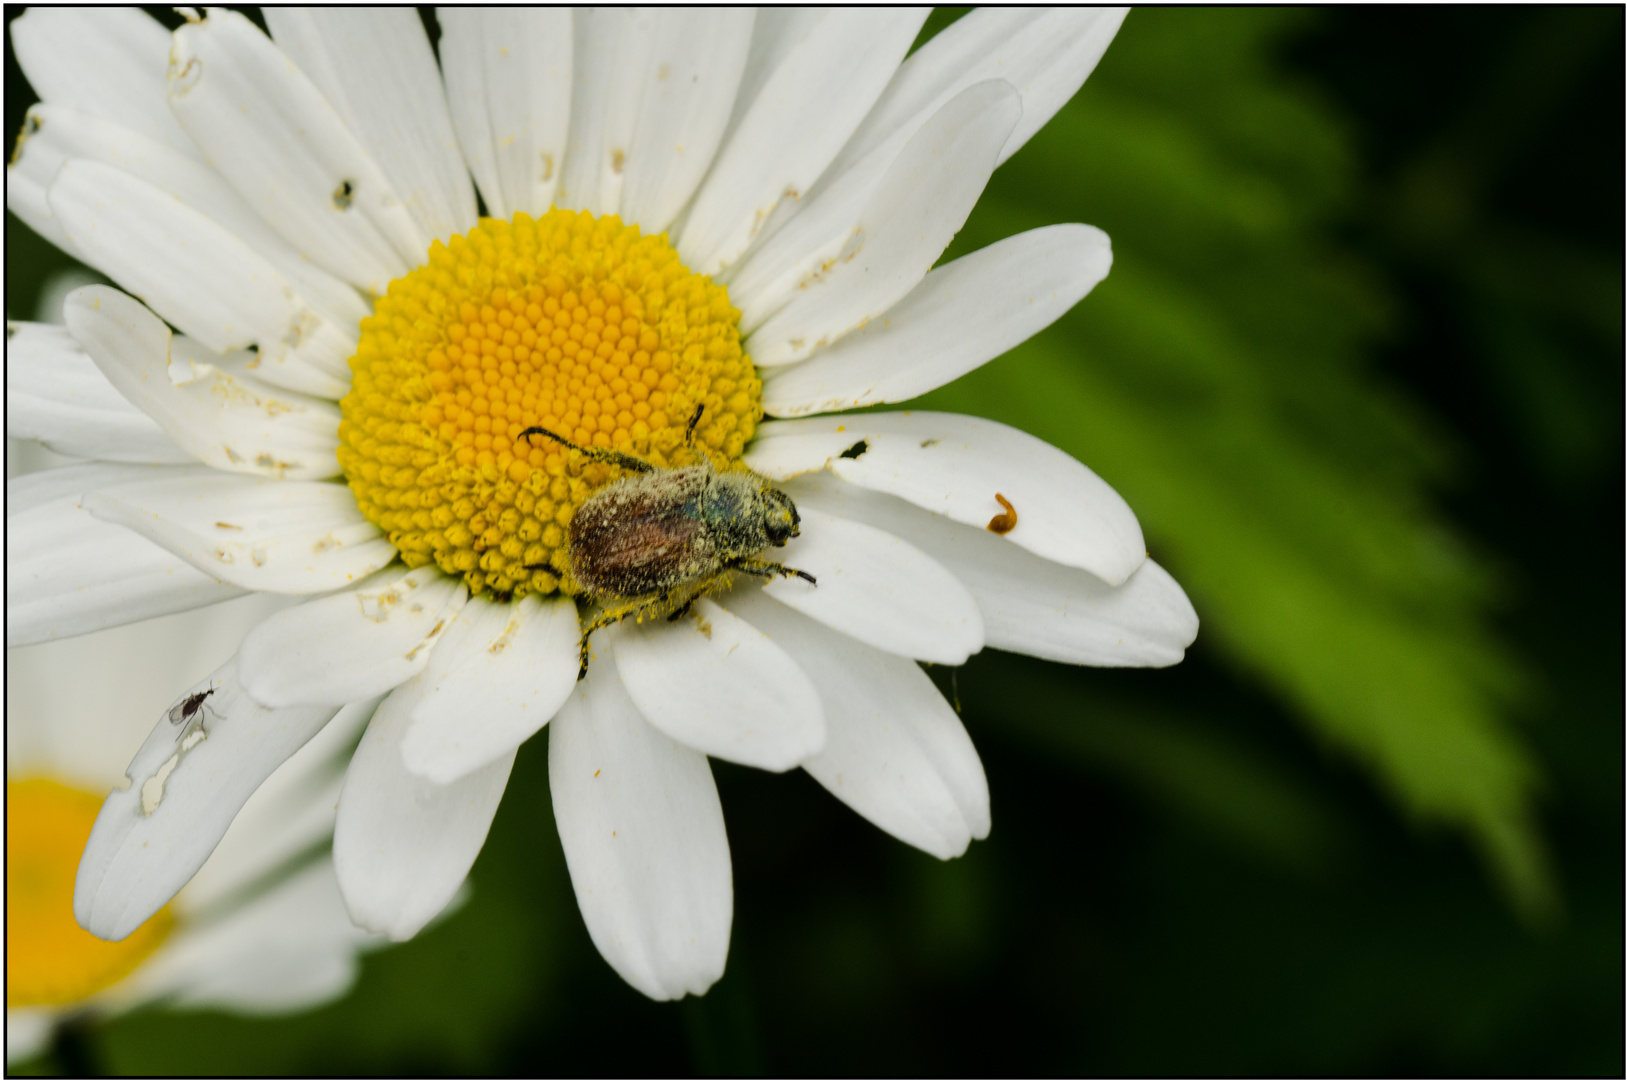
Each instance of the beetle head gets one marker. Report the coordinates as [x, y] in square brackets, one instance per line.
[780, 520]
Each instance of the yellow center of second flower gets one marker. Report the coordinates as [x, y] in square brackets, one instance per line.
[49, 959]
[573, 323]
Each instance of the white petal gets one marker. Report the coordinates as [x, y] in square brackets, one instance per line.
[287, 817]
[54, 393]
[608, 45]
[1058, 613]
[291, 947]
[221, 414]
[962, 315]
[501, 673]
[106, 61]
[508, 82]
[689, 87]
[62, 134]
[353, 644]
[1031, 605]
[69, 574]
[29, 490]
[404, 844]
[34, 489]
[34, 164]
[264, 125]
[896, 752]
[909, 218]
[955, 465]
[375, 67]
[776, 34]
[800, 243]
[713, 682]
[1046, 53]
[822, 82]
[200, 277]
[54, 292]
[642, 829]
[28, 1032]
[150, 838]
[287, 536]
[879, 589]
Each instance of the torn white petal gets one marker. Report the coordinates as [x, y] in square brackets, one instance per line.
[287, 817]
[187, 783]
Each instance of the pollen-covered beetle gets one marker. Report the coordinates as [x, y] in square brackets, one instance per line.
[654, 542]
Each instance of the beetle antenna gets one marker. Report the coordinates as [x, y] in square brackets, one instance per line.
[689, 432]
[592, 453]
[530, 431]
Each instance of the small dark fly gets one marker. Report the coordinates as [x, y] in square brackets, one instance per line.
[654, 542]
[184, 711]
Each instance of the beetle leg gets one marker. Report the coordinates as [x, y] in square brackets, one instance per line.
[611, 617]
[770, 570]
[592, 453]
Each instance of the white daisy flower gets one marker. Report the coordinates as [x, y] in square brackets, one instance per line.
[381, 401]
[260, 929]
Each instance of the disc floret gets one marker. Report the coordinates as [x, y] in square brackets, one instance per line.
[578, 324]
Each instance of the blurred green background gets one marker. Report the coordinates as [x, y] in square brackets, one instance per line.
[1358, 368]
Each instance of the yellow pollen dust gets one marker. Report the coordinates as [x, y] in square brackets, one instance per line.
[569, 322]
[49, 959]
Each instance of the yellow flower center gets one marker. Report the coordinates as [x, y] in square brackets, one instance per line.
[569, 322]
[49, 959]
